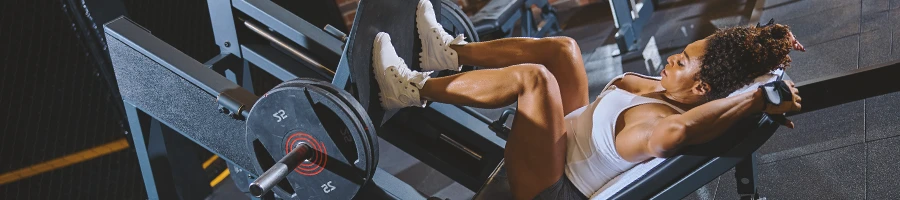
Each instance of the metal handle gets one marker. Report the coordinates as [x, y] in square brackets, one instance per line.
[499, 126]
[281, 169]
[335, 32]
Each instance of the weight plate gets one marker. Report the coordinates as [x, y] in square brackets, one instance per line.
[354, 105]
[340, 164]
[456, 22]
[359, 113]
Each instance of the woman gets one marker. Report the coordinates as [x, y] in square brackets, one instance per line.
[562, 147]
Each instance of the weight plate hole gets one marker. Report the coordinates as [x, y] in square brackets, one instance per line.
[337, 131]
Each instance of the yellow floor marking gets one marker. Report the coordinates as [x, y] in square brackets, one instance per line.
[85, 155]
[219, 178]
[64, 161]
[210, 161]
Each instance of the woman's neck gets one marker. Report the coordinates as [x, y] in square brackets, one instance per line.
[679, 100]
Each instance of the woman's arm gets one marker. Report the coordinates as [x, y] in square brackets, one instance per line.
[706, 122]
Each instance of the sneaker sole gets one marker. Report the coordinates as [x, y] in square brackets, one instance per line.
[425, 43]
[379, 77]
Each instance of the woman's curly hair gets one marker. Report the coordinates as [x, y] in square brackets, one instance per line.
[736, 56]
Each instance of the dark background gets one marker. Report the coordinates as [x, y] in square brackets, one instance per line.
[55, 101]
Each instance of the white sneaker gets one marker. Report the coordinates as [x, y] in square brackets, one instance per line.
[399, 85]
[436, 52]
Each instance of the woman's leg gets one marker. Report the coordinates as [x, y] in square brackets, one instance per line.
[560, 55]
[536, 147]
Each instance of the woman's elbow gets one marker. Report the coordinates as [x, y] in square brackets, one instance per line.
[667, 137]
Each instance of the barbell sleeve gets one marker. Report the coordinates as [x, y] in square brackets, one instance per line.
[280, 170]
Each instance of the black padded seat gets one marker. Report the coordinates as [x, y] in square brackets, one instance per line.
[389, 187]
[496, 187]
[675, 177]
[494, 20]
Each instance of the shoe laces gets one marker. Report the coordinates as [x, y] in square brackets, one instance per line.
[405, 74]
[459, 39]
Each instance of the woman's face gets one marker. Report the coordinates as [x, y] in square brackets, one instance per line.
[678, 77]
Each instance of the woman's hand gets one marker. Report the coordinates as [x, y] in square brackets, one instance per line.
[786, 105]
[794, 43]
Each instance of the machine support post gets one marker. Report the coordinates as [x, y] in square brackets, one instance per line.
[140, 147]
[167, 173]
[187, 174]
[745, 175]
[223, 26]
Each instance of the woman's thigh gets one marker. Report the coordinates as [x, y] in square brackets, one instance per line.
[536, 147]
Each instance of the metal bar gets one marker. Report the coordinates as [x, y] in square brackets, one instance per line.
[222, 22]
[279, 64]
[460, 146]
[174, 60]
[634, 10]
[280, 170]
[289, 25]
[138, 38]
[140, 147]
[621, 12]
[225, 62]
[162, 172]
[342, 72]
[527, 21]
[293, 51]
[645, 13]
[854, 85]
[745, 176]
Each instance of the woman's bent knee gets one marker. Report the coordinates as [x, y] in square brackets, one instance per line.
[534, 76]
[565, 44]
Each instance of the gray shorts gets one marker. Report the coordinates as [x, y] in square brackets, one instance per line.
[562, 190]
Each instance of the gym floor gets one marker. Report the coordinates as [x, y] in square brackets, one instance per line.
[848, 151]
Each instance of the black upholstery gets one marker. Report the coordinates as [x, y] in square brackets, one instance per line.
[493, 21]
[680, 175]
[496, 187]
[388, 187]
[498, 18]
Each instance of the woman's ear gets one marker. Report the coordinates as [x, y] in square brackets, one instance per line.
[700, 88]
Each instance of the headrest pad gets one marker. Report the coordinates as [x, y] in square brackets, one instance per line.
[765, 78]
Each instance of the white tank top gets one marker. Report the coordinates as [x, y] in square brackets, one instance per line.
[592, 159]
